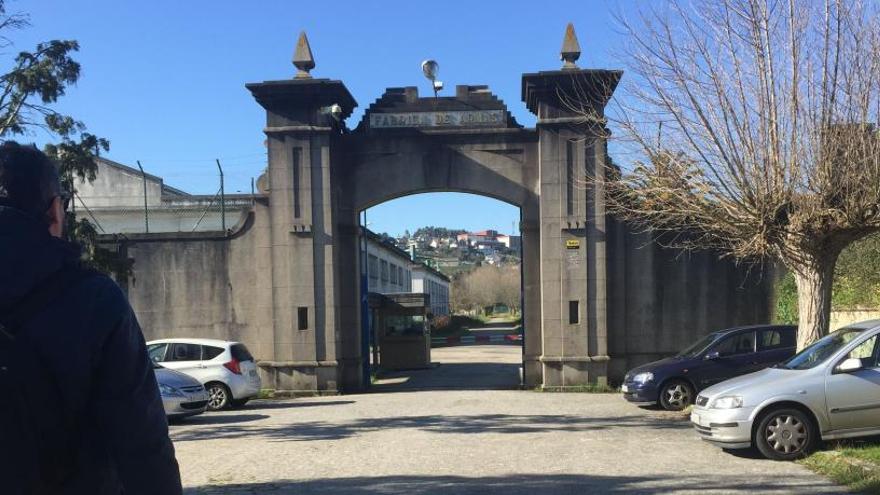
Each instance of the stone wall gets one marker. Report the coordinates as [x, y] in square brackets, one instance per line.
[662, 300]
[659, 300]
[844, 317]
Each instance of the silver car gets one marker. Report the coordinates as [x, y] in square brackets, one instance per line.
[182, 395]
[829, 390]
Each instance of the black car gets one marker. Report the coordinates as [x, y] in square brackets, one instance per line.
[674, 382]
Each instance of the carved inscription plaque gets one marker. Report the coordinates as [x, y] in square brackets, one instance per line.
[464, 118]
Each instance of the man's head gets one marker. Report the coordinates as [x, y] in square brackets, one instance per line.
[29, 182]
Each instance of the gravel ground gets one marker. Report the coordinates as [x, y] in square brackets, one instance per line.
[463, 442]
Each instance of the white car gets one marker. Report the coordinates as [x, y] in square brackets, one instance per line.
[226, 369]
[182, 395]
[829, 390]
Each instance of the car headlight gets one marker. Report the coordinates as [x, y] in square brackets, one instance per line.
[728, 402]
[169, 391]
[643, 377]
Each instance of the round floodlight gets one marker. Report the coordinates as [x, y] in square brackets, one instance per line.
[431, 69]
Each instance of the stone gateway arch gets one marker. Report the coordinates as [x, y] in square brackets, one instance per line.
[598, 298]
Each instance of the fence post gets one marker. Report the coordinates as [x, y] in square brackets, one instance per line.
[222, 199]
[146, 210]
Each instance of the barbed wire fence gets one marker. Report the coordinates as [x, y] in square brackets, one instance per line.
[125, 205]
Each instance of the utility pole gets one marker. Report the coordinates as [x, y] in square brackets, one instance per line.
[146, 212]
[222, 199]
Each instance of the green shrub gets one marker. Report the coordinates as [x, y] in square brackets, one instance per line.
[786, 300]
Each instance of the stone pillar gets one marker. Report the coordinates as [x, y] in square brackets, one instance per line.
[570, 104]
[302, 128]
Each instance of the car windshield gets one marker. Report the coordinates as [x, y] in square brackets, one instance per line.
[700, 346]
[819, 351]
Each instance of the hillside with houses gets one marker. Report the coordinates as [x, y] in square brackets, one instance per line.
[453, 251]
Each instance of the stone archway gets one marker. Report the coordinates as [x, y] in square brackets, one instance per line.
[321, 175]
[495, 162]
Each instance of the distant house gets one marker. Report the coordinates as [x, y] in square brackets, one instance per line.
[471, 238]
[489, 240]
[513, 242]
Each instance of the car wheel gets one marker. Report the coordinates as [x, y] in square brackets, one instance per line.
[218, 396]
[785, 434]
[676, 395]
[239, 402]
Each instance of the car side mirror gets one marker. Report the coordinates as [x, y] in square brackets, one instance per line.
[850, 365]
[712, 356]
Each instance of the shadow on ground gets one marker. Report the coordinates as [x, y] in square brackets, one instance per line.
[490, 423]
[514, 485]
[216, 419]
[451, 376]
[293, 404]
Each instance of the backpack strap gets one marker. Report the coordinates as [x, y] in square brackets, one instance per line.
[40, 297]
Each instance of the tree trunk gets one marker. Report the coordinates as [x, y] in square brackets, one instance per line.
[814, 282]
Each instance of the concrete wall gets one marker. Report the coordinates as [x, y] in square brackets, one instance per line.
[117, 187]
[202, 286]
[659, 300]
[662, 300]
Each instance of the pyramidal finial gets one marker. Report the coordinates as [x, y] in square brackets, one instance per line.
[302, 57]
[571, 49]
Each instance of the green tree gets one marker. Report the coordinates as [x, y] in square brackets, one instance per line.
[35, 81]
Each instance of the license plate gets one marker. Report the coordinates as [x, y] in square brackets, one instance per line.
[624, 389]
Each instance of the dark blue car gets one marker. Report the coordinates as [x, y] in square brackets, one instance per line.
[674, 382]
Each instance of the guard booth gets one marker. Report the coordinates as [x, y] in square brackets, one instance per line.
[400, 323]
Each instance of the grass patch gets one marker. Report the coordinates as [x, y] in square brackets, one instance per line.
[856, 465]
[597, 388]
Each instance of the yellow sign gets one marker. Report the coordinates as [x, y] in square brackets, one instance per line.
[572, 244]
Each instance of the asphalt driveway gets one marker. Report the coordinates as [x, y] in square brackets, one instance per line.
[463, 442]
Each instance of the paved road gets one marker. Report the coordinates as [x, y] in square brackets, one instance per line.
[472, 367]
[465, 442]
[496, 330]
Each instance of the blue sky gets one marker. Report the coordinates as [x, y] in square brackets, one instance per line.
[164, 80]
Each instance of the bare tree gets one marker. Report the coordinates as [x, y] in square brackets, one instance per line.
[485, 286]
[752, 123]
[509, 290]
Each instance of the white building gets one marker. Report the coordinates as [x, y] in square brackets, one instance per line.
[429, 281]
[510, 241]
[389, 268]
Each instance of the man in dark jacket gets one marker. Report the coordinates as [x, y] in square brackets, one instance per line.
[93, 421]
